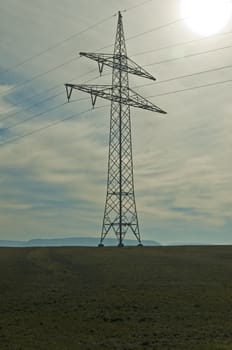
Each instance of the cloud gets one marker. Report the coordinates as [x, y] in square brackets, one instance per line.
[60, 172]
[185, 164]
[54, 181]
[5, 107]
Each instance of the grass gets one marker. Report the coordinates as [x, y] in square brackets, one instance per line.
[161, 298]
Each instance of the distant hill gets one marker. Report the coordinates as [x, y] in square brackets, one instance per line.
[71, 241]
[182, 244]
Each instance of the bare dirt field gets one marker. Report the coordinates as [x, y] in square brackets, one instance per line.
[116, 298]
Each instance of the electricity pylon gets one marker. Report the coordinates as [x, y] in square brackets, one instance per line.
[120, 209]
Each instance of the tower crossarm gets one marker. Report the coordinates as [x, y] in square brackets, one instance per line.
[136, 100]
[115, 61]
[133, 99]
[104, 91]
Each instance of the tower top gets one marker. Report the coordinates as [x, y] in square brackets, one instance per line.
[120, 42]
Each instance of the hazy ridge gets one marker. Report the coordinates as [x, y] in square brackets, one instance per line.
[71, 241]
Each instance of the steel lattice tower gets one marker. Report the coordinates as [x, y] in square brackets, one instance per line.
[120, 213]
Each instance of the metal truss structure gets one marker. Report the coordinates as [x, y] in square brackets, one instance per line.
[120, 213]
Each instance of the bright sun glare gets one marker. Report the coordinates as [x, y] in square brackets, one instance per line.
[206, 17]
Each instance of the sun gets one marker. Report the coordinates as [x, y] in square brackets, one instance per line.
[206, 17]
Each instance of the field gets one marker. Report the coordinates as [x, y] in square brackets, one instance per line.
[116, 298]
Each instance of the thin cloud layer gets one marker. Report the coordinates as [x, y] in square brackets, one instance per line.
[53, 183]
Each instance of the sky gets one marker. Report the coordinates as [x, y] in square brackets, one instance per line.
[53, 174]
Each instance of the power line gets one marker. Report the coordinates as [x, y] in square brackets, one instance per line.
[185, 76]
[150, 30]
[132, 37]
[136, 6]
[139, 86]
[58, 85]
[160, 27]
[193, 88]
[35, 116]
[180, 44]
[150, 64]
[33, 105]
[39, 75]
[152, 96]
[43, 100]
[146, 65]
[135, 87]
[41, 113]
[168, 46]
[59, 43]
[156, 28]
[189, 55]
[48, 126]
